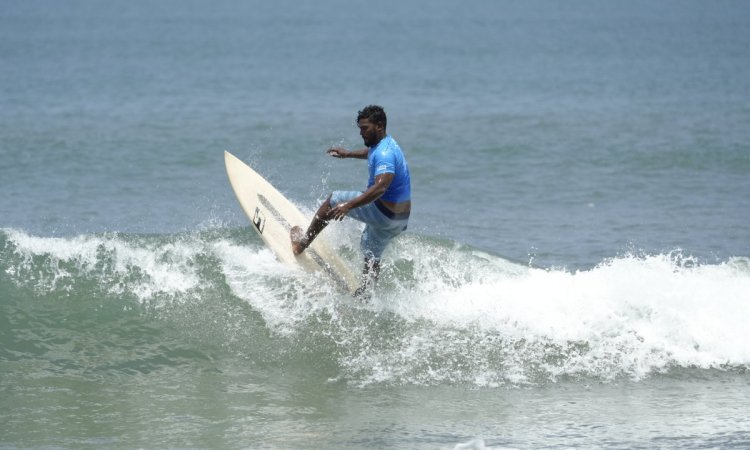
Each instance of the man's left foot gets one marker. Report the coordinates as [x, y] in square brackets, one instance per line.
[299, 243]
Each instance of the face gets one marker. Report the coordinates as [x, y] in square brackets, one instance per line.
[371, 132]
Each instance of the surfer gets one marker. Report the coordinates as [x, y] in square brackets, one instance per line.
[385, 204]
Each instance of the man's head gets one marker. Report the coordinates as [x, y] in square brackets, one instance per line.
[372, 122]
[374, 114]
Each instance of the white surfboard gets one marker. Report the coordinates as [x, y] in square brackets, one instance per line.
[272, 216]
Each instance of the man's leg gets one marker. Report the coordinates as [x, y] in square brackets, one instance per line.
[370, 276]
[300, 240]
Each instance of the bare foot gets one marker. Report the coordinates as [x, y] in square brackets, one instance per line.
[298, 240]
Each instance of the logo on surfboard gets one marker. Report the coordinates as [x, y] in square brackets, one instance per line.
[259, 220]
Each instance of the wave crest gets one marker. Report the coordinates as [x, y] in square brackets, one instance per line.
[443, 313]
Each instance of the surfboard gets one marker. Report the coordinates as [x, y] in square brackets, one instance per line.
[272, 216]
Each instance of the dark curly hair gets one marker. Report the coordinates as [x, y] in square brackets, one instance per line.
[374, 114]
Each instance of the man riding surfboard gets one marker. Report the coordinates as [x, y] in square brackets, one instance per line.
[384, 206]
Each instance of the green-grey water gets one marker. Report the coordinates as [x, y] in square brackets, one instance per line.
[576, 272]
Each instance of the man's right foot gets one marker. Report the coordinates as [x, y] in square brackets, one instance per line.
[298, 240]
[363, 294]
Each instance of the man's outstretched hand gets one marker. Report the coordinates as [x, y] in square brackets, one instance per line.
[337, 152]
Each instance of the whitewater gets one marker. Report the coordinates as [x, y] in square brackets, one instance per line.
[458, 315]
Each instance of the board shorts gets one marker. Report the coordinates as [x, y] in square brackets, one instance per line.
[381, 224]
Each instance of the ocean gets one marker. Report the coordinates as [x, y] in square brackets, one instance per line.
[576, 272]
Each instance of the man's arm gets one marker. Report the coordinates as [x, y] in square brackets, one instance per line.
[338, 152]
[375, 191]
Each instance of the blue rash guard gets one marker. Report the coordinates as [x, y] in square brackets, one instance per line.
[387, 157]
[381, 224]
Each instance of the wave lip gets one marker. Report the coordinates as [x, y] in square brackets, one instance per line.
[120, 265]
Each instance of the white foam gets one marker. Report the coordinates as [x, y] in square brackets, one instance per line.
[150, 269]
[636, 313]
[283, 294]
[475, 444]
[478, 317]
[462, 315]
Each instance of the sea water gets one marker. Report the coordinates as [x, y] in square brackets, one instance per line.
[576, 273]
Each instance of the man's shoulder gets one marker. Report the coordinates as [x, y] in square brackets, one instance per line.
[387, 146]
